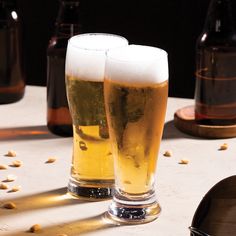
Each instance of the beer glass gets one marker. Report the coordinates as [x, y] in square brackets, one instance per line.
[136, 91]
[92, 174]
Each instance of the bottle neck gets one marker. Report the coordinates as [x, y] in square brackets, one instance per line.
[8, 3]
[67, 23]
[8, 13]
[220, 17]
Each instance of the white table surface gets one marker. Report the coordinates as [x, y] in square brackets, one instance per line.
[42, 201]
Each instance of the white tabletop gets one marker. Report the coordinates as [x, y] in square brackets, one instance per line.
[41, 199]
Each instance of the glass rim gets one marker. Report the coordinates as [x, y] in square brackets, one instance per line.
[137, 59]
[94, 34]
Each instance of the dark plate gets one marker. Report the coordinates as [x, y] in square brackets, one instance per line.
[216, 213]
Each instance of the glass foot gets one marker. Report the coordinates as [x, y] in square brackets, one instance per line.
[134, 214]
[89, 191]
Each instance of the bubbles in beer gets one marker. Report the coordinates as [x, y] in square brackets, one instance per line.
[86, 55]
[138, 64]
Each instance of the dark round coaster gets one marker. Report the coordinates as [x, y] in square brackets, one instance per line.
[184, 120]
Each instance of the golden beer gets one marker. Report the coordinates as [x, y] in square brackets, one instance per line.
[136, 117]
[136, 91]
[92, 159]
[92, 171]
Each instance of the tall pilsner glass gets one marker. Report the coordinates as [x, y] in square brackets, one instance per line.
[136, 91]
[92, 174]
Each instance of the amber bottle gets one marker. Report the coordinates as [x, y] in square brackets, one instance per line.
[215, 92]
[12, 77]
[67, 24]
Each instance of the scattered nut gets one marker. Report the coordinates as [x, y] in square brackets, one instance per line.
[223, 147]
[3, 167]
[4, 186]
[9, 205]
[168, 153]
[35, 228]
[16, 163]
[15, 189]
[10, 178]
[11, 153]
[184, 161]
[51, 160]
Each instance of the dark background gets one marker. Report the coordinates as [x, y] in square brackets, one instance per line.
[173, 25]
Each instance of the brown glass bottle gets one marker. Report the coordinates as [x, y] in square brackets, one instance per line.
[67, 24]
[12, 79]
[215, 92]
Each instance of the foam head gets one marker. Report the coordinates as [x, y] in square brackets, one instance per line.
[137, 64]
[86, 55]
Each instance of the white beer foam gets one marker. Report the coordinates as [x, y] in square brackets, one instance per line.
[137, 63]
[86, 55]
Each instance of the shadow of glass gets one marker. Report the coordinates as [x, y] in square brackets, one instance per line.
[26, 133]
[75, 228]
[50, 199]
[171, 132]
[100, 222]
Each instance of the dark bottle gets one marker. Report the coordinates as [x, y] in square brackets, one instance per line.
[67, 24]
[12, 81]
[215, 92]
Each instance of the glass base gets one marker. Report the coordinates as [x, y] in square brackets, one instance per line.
[134, 212]
[91, 190]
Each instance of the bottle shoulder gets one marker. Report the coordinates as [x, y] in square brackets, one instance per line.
[207, 39]
[67, 25]
[58, 42]
[8, 18]
[57, 46]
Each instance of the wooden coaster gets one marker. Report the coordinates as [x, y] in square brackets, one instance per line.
[184, 120]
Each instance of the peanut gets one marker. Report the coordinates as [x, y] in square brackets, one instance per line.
[4, 186]
[223, 147]
[51, 160]
[3, 167]
[16, 188]
[11, 178]
[168, 153]
[11, 153]
[16, 163]
[9, 205]
[35, 228]
[184, 161]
